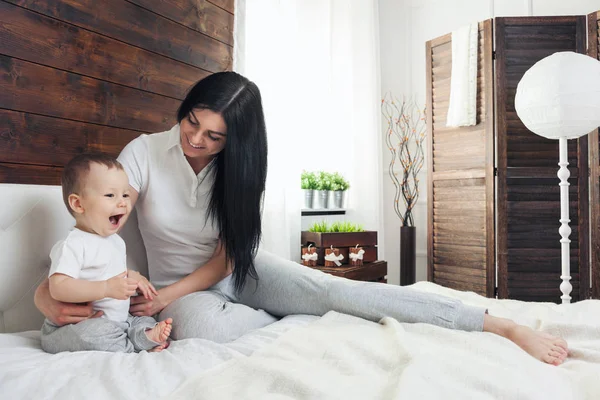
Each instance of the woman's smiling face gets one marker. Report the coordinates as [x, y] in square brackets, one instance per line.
[203, 134]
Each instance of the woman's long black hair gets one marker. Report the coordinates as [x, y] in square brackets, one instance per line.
[241, 167]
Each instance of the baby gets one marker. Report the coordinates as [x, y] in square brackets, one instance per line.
[90, 265]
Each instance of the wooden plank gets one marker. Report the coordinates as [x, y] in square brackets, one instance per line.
[458, 205]
[462, 249]
[462, 286]
[453, 275]
[368, 272]
[449, 163]
[459, 182]
[460, 271]
[34, 88]
[441, 43]
[455, 175]
[29, 174]
[464, 230]
[137, 26]
[224, 4]
[539, 22]
[199, 15]
[593, 49]
[460, 194]
[466, 134]
[36, 139]
[459, 220]
[537, 172]
[458, 260]
[581, 235]
[490, 185]
[64, 46]
[459, 240]
[501, 161]
[430, 169]
[339, 239]
[452, 152]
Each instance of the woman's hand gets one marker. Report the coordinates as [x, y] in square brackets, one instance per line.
[141, 306]
[61, 313]
[143, 284]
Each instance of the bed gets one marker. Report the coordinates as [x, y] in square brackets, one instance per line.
[334, 356]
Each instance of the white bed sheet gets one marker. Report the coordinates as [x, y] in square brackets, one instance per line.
[27, 372]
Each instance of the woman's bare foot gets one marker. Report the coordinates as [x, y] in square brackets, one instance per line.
[543, 346]
[160, 333]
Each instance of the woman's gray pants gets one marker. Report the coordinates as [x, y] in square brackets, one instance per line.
[285, 287]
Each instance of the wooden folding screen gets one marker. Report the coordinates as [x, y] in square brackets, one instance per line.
[461, 175]
[462, 206]
[594, 51]
[528, 200]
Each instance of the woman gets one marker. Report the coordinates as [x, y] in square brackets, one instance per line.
[198, 190]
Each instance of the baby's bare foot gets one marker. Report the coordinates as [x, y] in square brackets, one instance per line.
[159, 348]
[160, 333]
[543, 346]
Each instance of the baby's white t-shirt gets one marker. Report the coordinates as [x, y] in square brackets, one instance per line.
[171, 207]
[91, 257]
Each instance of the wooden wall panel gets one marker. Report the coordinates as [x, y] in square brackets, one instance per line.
[201, 16]
[528, 205]
[34, 88]
[81, 75]
[460, 180]
[64, 46]
[137, 26]
[594, 138]
[224, 4]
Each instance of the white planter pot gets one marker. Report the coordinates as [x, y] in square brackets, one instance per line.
[338, 199]
[321, 199]
[309, 195]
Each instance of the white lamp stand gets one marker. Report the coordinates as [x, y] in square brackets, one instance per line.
[565, 229]
[559, 98]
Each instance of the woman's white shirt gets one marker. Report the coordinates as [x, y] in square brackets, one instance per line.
[171, 207]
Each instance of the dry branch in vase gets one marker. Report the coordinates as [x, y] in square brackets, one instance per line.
[405, 137]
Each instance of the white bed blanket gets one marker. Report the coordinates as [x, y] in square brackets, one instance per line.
[28, 373]
[342, 357]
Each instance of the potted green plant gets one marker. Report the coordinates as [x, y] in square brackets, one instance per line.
[308, 185]
[322, 190]
[339, 185]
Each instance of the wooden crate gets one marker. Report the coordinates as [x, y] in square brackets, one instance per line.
[342, 241]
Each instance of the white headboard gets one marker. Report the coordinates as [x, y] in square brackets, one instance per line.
[32, 219]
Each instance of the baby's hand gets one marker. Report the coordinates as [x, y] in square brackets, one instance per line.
[143, 284]
[120, 287]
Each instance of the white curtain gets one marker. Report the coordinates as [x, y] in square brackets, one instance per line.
[316, 63]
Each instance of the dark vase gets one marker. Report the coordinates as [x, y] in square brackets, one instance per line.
[407, 255]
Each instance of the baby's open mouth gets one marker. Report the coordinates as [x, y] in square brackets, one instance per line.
[114, 219]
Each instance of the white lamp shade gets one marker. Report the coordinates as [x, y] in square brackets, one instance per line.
[559, 96]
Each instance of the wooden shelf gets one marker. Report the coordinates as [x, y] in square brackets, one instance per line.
[323, 211]
[371, 272]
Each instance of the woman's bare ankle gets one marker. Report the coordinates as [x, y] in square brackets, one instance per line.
[499, 326]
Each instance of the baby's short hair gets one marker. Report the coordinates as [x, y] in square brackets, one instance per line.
[77, 169]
